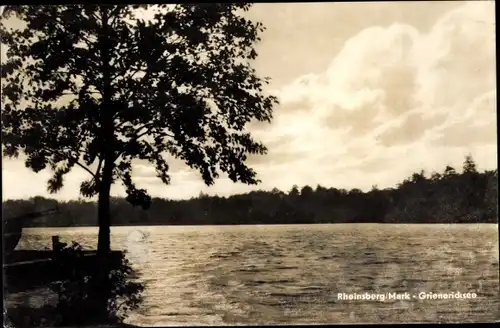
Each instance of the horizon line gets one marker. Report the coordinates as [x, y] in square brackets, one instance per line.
[267, 190]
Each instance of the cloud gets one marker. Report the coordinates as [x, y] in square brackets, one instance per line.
[464, 133]
[411, 127]
[394, 98]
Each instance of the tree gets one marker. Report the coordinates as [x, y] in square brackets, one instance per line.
[355, 192]
[449, 171]
[469, 165]
[95, 86]
[306, 191]
[435, 176]
[418, 177]
[277, 192]
[294, 191]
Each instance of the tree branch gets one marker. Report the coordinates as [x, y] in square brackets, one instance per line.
[98, 171]
[77, 163]
[86, 169]
[144, 126]
[163, 134]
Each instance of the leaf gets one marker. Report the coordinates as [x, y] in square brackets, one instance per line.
[89, 188]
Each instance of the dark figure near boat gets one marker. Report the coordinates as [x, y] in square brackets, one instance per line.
[13, 228]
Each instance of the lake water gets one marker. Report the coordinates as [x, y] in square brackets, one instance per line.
[217, 275]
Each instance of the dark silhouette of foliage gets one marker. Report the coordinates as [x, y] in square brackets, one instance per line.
[469, 165]
[95, 87]
[468, 197]
[77, 288]
[27, 316]
[449, 171]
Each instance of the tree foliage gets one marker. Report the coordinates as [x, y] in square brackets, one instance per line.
[469, 165]
[97, 86]
[77, 286]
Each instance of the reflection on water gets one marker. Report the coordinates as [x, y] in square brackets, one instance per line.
[292, 274]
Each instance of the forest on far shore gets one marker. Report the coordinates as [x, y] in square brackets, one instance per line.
[448, 197]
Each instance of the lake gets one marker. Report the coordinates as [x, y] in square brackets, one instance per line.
[293, 274]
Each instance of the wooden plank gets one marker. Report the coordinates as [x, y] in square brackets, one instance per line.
[44, 260]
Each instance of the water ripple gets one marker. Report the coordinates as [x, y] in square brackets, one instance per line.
[292, 274]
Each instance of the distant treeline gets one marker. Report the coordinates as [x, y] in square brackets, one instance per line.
[448, 197]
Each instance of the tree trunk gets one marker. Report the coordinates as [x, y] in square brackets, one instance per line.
[101, 289]
[102, 284]
[103, 211]
[107, 136]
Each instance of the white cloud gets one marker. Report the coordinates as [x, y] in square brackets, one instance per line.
[395, 100]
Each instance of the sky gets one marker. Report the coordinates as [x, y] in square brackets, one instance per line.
[369, 93]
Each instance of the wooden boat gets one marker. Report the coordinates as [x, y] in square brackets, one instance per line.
[13, 228]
